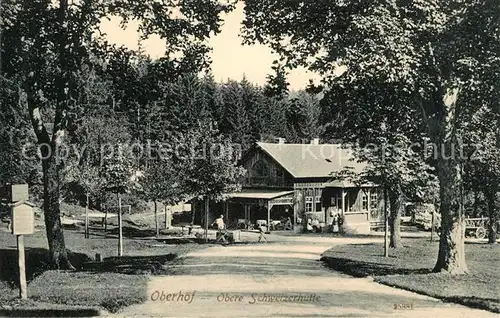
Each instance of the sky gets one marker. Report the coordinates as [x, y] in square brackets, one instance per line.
[230, 59]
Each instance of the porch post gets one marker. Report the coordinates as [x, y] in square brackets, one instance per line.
[343, 201]
[247, 216]
[294, 207]
[269, 207]
[226, 209]
[369, 200]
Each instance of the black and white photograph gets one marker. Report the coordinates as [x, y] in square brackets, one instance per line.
[250, 158]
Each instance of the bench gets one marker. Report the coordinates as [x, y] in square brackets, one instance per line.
[261, 235]
[377, 225]
[190, 228]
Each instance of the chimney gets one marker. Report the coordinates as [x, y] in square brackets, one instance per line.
[281, 140]
[315, 141]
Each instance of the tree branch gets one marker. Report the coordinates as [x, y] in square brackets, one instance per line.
[62, 85]
[36, 116]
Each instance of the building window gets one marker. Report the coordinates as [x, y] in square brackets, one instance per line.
[318, 199]
[365, 201]
[373, 200]
[309, 204]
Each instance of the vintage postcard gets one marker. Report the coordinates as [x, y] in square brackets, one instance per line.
[257, 158]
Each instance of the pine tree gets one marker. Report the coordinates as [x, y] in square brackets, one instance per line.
[253, 99]
[237, 123]
[277, 84]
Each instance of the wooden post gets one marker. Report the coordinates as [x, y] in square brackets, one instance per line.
[207, 204]
[269, 207]
[294, 217]
[23, 292]
[432, 226]
[386, 227]
[226, 207]
[87, 217]
[105, 219]
[165, 214]
[120, 232]
[343, 201]
[369, 201]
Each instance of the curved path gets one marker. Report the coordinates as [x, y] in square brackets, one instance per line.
[249, 274]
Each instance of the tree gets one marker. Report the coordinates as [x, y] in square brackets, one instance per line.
[388, 136]
[93, 142]
[437, 50]
[253, 100]
[236, 122]
[277, 115]
[483, 170]
[277, 84]
[210, 164]
[45, 43]
[401, 171]
[213, 97]
[161, 182]
[15, 136]
[304, 116]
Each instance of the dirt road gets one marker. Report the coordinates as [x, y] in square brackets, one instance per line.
[279, 279]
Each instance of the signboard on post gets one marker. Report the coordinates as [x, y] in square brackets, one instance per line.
[23, 219]
[22, 223]
[19, 193]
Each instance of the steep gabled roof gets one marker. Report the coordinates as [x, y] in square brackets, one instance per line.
[310, 160]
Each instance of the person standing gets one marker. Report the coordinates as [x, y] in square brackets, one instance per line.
[335, 224]
[340, 221]
[309, 227]
[219, 222]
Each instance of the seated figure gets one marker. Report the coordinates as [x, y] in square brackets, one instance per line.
[315, 225]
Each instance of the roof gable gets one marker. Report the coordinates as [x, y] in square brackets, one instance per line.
[310, 160]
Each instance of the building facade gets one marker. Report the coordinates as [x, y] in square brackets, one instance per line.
[290, 183]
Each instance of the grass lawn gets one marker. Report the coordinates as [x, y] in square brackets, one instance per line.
[107, 290]
[110, 291]
[410, 266]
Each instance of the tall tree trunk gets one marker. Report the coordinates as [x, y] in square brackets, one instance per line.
[51, 209]
[165, 215]
[451, 255]
[193, 212]
[396, 209]
[493, 208]
[386, 225]
[50, 168]
[207, 207]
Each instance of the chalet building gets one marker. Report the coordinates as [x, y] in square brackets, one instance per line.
[295, 181]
